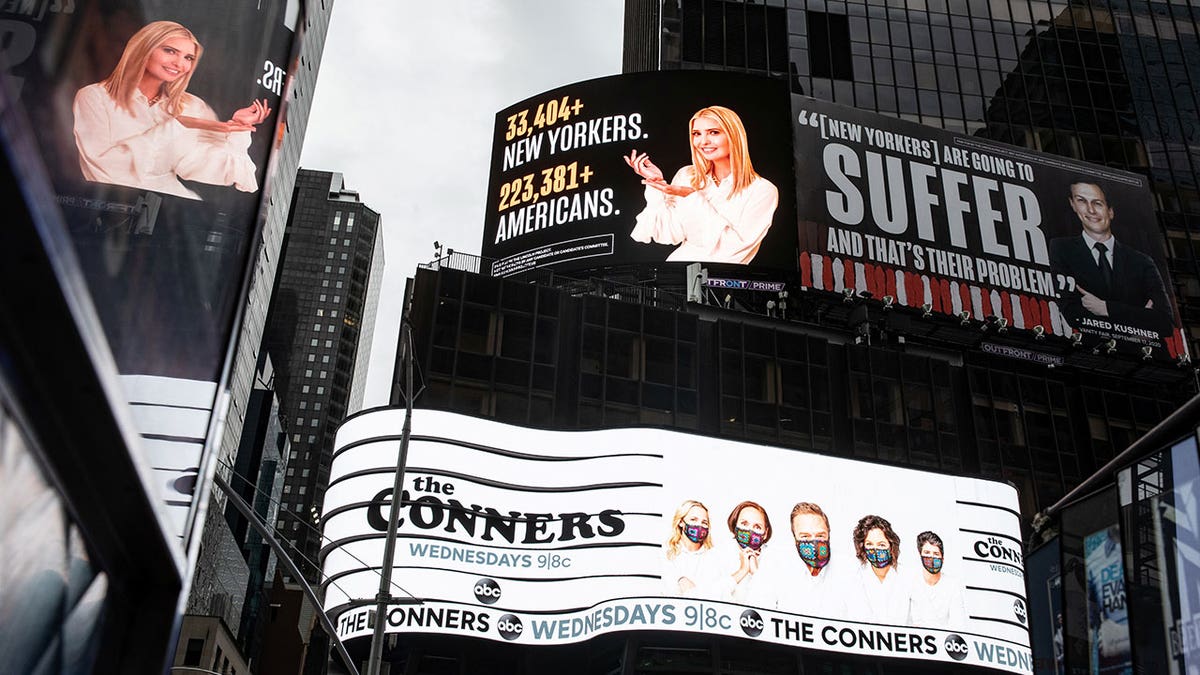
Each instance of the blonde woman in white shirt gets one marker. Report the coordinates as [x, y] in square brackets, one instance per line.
[140, 128]
[717, 209]
[690, 568]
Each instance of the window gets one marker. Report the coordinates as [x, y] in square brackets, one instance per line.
[304, 389]
[829, 46]
[191, 657]
[308, 372]
[312, 357]
[320, 390]
[312, 342]
[315, 421]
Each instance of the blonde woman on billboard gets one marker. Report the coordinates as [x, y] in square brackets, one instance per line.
[690, 568]
[140, 128]
[717, 209]
[877, 593]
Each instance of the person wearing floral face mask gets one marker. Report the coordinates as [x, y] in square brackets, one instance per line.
[690, 570]
[751, 530]
[937, 600]
[880, 594]
[811, 586]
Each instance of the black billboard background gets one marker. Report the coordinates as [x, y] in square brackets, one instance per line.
[888, 263]
[664, 102]
[165, 272]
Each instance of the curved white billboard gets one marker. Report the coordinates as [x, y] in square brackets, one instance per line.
[550, 537]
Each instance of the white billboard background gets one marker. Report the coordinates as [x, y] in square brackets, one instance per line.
[553, 583]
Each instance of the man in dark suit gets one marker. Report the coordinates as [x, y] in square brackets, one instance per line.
[1114, 284]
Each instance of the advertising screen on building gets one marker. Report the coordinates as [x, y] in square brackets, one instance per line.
[155, 122]
[542, 538]
[964, 225]
[643, 168]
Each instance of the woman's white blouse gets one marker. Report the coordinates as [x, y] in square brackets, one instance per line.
[147, 148]
[709, 225]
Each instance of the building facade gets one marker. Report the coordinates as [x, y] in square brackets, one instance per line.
[322, 314]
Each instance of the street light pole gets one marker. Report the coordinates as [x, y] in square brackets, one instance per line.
[389, 548]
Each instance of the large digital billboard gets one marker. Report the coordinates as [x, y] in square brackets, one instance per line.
[643, 168]
[540, 538]
[963, 225]
[155, 122]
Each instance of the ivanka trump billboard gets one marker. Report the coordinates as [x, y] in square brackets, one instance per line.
[156, 123]
[643, 168]
[960, 224]
[539, 537]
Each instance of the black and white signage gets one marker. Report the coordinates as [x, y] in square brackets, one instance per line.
[964, 225]
[540, 537]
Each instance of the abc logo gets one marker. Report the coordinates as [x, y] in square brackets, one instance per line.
[509, 626]
[487, 591]
[1019, 610]
[956, 647]
[751, 623]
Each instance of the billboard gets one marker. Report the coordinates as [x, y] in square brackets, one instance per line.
[643, 168]
[541, 538]
[961, 224]
[156, 122]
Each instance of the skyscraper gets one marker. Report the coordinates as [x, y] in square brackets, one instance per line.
[321, 318]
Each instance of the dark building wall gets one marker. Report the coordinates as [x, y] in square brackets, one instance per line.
[537, 356]
[1107, 82]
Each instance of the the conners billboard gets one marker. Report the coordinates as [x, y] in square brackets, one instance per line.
[539, 537]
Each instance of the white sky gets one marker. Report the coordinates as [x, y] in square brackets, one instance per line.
[405, 106]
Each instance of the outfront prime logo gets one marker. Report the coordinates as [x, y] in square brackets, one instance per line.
[487, 591]
[956, 647]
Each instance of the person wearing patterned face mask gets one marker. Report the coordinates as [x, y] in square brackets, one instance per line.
[879, 594]
[690, 570]
[937, 599]
[810, 586]
[751, 530]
